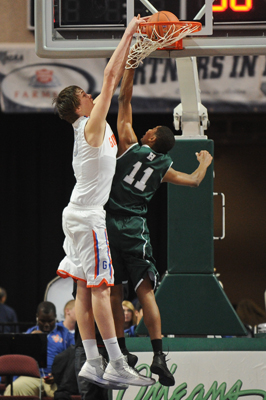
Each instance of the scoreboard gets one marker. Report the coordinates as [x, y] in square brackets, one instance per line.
[104, 13]
[82, 28]
[239, 11]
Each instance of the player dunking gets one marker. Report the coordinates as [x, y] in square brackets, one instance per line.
[140, 170]
[86, 244]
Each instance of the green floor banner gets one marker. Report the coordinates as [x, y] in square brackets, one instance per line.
[204, 369]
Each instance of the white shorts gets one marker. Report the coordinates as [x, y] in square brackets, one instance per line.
[86, 246]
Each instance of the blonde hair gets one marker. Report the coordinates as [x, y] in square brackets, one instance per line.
[70, 304]
[130, 306]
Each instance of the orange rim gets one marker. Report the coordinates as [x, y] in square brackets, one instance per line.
[195, 24]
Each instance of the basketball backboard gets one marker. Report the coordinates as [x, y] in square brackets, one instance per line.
[82, 28]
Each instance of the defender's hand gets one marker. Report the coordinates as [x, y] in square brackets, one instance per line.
[204, 157]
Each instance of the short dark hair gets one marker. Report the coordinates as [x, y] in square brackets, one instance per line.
[165, 140]
[67, 102]
[138, 306]
[46, 307]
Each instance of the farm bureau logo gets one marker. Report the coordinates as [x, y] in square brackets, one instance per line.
[32, 88]
[44, 77]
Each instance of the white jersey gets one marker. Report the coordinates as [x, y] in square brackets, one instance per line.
[94, 167]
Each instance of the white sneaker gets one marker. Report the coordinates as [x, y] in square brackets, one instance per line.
[93, 371]
[119, 371]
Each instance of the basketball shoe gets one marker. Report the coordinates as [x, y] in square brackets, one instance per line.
[93, 371]
[119, 371]
[159, 367]
[131, 359]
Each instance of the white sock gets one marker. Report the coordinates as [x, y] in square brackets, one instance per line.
[91, 349]
[112, 348]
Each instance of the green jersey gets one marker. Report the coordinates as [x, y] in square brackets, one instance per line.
[139, 172]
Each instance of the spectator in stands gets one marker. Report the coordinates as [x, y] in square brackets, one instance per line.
[137, 315]
[7, 315]
[69, 316]
[58, 339]
[130, 318]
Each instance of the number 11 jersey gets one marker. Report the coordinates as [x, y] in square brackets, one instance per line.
[139, 172]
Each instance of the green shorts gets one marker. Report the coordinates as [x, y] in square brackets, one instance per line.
[131, 250]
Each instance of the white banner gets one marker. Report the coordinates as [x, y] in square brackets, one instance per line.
[227, 83]
[203, 375]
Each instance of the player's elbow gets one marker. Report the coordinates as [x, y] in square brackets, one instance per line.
[196, 179]
[195, 182]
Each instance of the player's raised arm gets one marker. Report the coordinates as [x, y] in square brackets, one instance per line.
[195, 178]
[95, 127]
[125, 130]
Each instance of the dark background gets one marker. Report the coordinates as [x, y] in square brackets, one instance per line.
[37, 180]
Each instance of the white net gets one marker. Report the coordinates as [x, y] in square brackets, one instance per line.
[144, 46]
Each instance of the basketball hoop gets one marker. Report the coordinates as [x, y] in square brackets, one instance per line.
[173, 33]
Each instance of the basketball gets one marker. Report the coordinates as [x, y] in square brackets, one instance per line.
[161, 29]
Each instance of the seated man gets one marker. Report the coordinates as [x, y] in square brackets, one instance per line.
[58, 339]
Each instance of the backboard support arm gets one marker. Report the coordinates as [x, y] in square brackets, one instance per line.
[190, 115]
